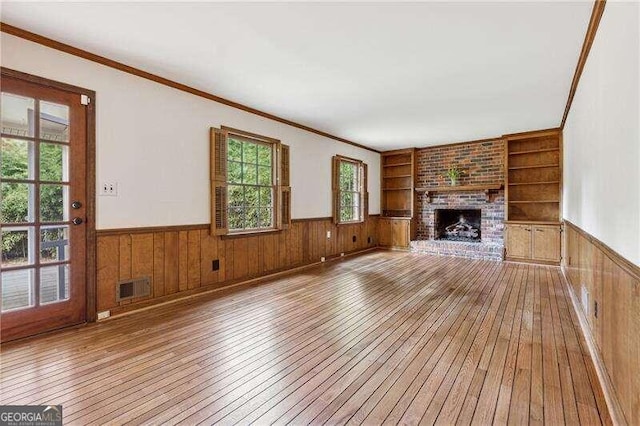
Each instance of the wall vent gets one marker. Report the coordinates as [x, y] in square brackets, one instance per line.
[131, 289]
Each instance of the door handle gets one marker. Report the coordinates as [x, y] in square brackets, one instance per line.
[77, 221]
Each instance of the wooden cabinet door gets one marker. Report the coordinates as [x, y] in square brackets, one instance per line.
[519, 241]
[384, 233]
[546, 243]
[400, 232]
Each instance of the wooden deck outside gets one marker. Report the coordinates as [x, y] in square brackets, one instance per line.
[382, 338]
[17, 289]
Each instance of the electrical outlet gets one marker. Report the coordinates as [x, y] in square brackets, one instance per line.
[215, 265]
[354, 238]
[104, 314]
[585, 299]
[109, 189]
[328, 234]
[322, 259]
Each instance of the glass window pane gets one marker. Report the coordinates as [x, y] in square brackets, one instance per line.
[54, 284]
[54, 162]
[54, 121]
[346, 214]
[236, 196]
[236, 218]
[18, 201]
[54, 243]
[234, 150]
[17, 289]
[249, 152]
[264, 155]
[264, 175]
[265, 197]
[17, 159]
[348, 176]
[251, 194]
[265, 217]
[18, 115]
[356, 199]
[346, 199]
[54, 202]
[234, 172]
[250, 174]
[17, 246]
[355, 213]
[251, 218]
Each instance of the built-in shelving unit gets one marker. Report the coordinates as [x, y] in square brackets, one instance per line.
[398, 198]
[534, 177]
[533, 196]
[398, 170]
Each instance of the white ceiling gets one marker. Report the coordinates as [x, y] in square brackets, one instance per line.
[386, 75]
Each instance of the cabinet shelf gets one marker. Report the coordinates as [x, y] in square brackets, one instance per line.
[539, 166]
[396, 164]
[534, 202]
[548, 182]
[534, 151]
[398, 176]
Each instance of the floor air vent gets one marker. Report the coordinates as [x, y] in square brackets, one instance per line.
[130, 289]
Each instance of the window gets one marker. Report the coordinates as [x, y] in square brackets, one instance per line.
[350, 196]
[250, 182]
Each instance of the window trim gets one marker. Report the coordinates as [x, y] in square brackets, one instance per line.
[219, 175]
[363, 190]
[275, 146]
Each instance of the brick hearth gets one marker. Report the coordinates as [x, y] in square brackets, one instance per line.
[484, 164]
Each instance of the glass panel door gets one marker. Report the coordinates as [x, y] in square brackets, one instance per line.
[42, 233]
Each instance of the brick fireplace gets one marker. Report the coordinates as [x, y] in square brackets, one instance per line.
[483, 164]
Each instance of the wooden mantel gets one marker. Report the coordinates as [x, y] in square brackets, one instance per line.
[487, 188]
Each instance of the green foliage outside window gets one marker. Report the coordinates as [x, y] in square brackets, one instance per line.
[14, 164]
[250, 185]
[350, 191]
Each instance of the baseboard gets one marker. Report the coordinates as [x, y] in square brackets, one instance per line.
[615, 409]
[532, 261]
[207, 290]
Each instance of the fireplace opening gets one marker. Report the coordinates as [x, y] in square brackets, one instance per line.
[458, 225]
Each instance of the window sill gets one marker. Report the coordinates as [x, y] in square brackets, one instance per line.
[240, 234]
[352, 222]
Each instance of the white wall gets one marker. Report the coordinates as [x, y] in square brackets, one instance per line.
[602, 136]
[154, 142]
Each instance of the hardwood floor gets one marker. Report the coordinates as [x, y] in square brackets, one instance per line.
[385, 337]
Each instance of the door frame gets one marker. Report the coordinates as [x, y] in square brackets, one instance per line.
[90, 179]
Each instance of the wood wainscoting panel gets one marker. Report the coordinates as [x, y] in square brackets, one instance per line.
[606, 290]
[179, 260]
